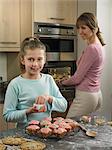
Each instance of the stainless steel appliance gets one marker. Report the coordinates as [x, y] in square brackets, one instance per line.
[60, 40]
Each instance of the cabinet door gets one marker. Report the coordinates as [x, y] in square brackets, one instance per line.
[3, 124]
[69, 95]
[9, 24]
[55, 11]
[25, 18]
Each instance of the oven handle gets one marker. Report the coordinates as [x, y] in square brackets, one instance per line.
[56, 36]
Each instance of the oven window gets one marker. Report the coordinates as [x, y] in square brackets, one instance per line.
[67, 45]
[58, 45]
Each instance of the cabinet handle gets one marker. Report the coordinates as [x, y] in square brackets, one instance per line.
[8, 42]
[57, 18]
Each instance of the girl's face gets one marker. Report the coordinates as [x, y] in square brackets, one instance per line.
[34, 61]
[85, 32]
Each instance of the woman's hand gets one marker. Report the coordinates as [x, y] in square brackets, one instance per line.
[61, 82]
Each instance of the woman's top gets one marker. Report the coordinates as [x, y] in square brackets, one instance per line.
[21, 94]
[89, 69]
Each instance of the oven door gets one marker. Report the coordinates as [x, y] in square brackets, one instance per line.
[57, 43]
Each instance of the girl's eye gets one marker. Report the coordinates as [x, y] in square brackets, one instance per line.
[39, 59]
[31, 59]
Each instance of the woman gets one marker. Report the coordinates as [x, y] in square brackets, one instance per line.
[32, 86]
[87, 77]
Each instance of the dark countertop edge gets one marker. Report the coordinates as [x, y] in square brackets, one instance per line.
[1, 101]
[66, 87]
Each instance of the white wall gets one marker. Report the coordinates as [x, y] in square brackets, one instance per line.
[3, 66]
[104, 15]
[84, 6]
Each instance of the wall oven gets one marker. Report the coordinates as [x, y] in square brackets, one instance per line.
[60, 40]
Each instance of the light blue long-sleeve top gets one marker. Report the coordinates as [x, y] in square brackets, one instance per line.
[21, 94]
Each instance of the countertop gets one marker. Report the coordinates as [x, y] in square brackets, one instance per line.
[74, 141]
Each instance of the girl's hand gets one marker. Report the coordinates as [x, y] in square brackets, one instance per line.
[30, 110]
[49, 99]
[42, 99]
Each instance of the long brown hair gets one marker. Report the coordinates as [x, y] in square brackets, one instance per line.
[91, 21]
[29, 43]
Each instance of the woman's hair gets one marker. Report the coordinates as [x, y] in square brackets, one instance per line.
[29, 43]
[91, 21]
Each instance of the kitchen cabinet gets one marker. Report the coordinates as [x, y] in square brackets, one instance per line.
[25, 19]
[62, 114]
[3, 124]
[15, 23]
[69, 94]
[55, 11]
[9, 24]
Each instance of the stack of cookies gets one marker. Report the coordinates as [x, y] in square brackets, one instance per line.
[20, 143]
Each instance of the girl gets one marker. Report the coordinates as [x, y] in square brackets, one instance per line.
[32, 86]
